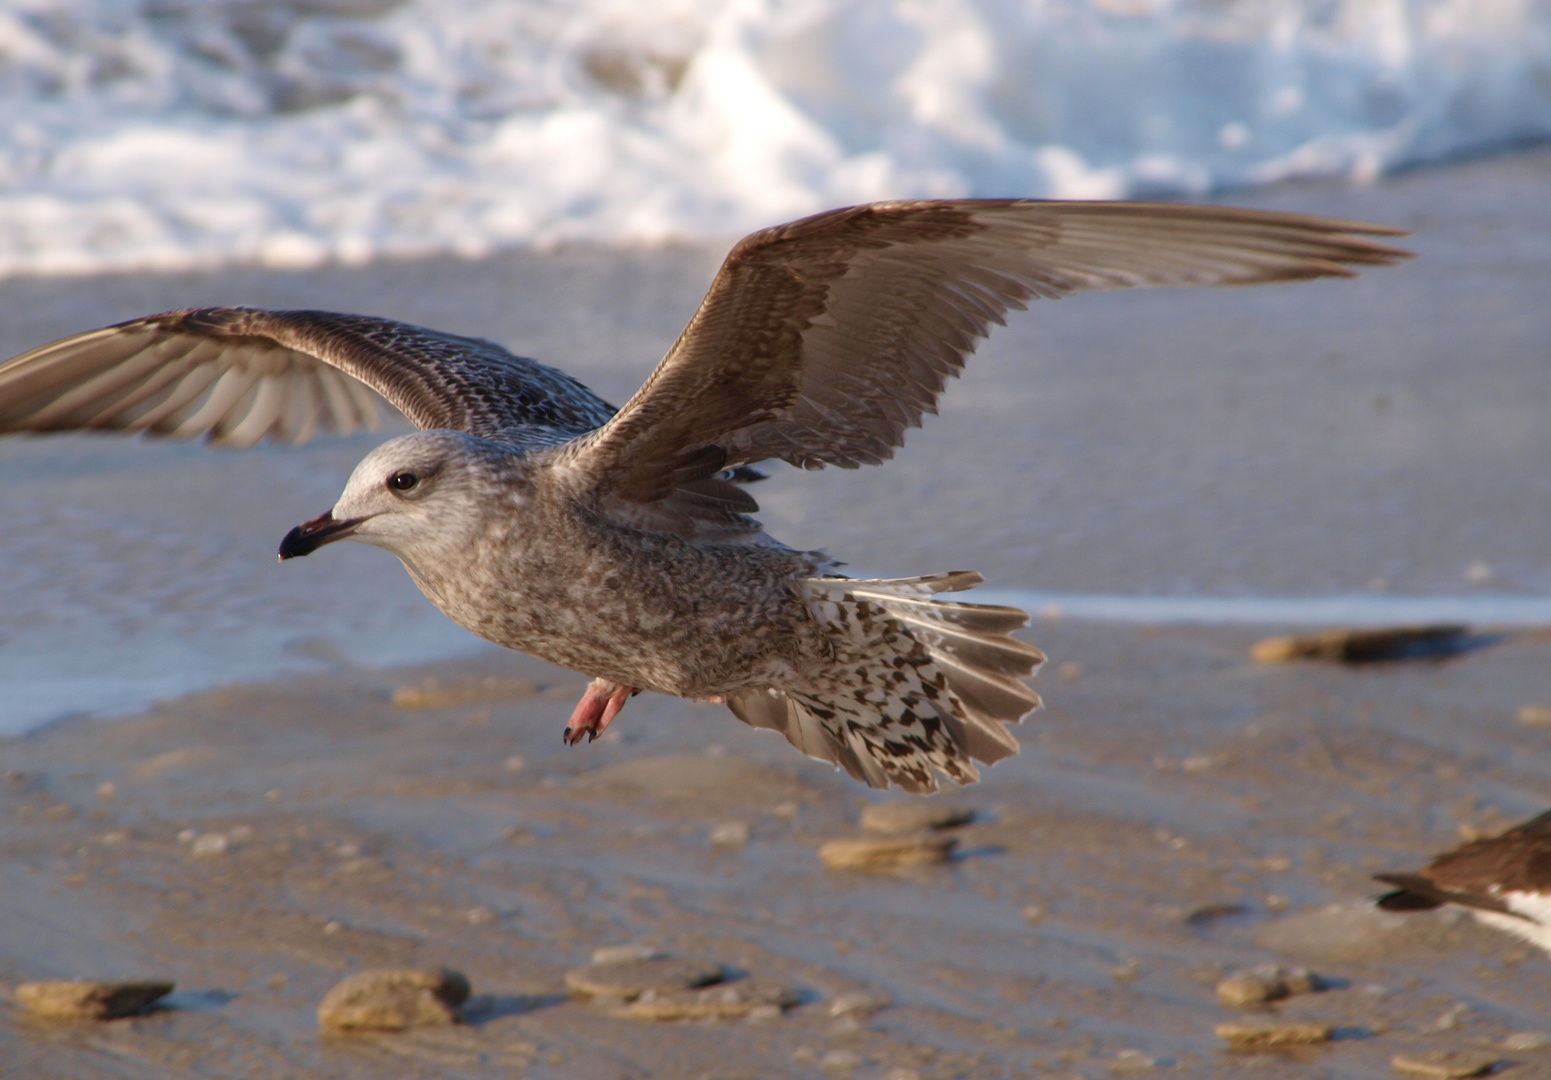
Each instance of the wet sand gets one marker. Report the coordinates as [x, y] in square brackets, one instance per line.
[1177, 812]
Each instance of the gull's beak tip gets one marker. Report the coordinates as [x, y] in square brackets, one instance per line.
[309, 536]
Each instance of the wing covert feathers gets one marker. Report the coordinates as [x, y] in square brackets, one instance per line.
[239, 375]
[823, 340]
[917, 688]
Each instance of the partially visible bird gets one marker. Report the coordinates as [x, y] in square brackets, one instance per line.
[1504, 881]
[618, 543]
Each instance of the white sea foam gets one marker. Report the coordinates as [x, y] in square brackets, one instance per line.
[184, 133]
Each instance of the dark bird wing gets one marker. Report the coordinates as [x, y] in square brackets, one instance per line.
[1478, 874]
[821, 341]
[237, 375]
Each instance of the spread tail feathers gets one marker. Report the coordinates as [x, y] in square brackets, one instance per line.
[917, 687]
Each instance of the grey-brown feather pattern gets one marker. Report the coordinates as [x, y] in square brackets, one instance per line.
[237, 375]
[821, 341]
[606, 543]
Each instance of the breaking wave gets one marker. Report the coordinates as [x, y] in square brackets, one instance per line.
[190, 133]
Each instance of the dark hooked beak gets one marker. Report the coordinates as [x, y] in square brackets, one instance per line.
[309, 536]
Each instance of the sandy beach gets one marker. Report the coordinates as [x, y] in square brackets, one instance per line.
[1178, 812]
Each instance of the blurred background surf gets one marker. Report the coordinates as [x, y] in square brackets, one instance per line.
[175, 134]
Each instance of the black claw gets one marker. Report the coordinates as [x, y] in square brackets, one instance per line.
[592, 734]
[565, 736]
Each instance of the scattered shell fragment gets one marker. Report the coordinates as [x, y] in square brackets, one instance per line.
[1444, 1064]
[616, 954]
[858, 1003]
[879, 855]
[436, 694]
[918, 815]
[721, 1001]
[1535, 715]
[1268, 982]
[388, 999]
[1247, 1033]
[1362, 646]
[69, 999]
[173, 760]
[1526, 1040]
[1128, 1061]
[632, 978]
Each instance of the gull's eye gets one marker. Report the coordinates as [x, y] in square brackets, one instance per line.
[403, 481]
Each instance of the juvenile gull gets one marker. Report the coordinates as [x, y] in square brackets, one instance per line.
[620, 543]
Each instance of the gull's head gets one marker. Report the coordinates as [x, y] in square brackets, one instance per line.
[420, 495]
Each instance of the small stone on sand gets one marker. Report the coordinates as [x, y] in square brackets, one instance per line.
[68, 999]
[1362, 646]
[386, 999]
[880, 855]
[730, 834]
[435, 694]
[917, 815]
[632, 978]
[722, 1001]
[1535, 715]
[211, 843]
[1243, 1033]
[1444, 1064]
[1268, 982]
[841, 1062]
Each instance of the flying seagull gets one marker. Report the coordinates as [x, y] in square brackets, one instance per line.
[1504, 881]
[619, 543]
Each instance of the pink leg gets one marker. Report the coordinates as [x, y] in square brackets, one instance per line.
[597, 709]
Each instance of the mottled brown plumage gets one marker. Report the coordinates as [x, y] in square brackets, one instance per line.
[618, 544]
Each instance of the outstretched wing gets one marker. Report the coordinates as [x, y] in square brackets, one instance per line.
[821, 341]
[237, 375]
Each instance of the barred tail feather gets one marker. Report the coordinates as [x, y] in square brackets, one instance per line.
[918, 687]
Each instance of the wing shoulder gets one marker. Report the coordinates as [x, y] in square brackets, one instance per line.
[239, 375]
